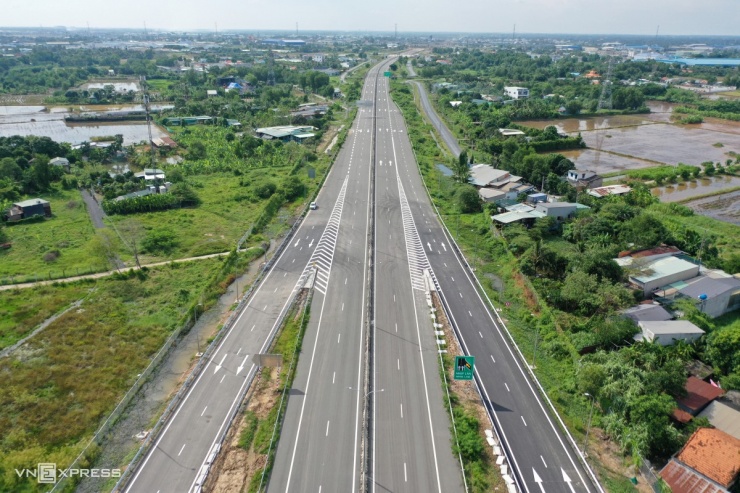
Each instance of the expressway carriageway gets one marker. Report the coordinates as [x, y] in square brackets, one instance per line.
[542, 454]
[179, 456]
[412, 443]
[320, 445]
[320, 441]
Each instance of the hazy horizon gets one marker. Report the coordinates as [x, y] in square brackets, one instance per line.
[576, 17]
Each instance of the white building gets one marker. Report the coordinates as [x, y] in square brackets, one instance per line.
[515, 92]
[668, 332]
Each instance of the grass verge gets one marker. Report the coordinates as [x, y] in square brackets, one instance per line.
[62, 384]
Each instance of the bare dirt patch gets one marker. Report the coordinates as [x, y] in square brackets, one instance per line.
[234, 468]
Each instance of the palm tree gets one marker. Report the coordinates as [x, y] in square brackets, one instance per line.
[461, 169]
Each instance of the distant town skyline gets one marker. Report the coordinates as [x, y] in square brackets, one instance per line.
[638, 17]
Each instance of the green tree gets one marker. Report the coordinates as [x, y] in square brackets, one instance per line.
[461, 171]
[573, 107]
[467, 199]
[723, 349]
[184, 193]
[197, 151]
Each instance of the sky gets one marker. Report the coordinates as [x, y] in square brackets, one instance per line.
[675, 17]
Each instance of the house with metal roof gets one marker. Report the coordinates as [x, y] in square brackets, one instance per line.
[60, 161]
[28, 208]
[724, 416]
[599, 192]
[286, 133]
[581, 179]
[650, 276]
[714, 292]
[707, 463]
[558, 210]
[667, 332]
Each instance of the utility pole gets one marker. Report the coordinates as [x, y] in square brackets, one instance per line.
[605, 100]
[588, 427]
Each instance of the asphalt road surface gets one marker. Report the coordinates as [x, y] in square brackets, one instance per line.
[540, 451]
[177, 461]
[449, 139]
[319, 447]
[412, 442]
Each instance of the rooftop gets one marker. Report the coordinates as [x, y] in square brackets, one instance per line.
[609, 190]
[510, 217]
[662, 267]
[30, 202]
[709, 286]
[649, 252]
[483, 174]
[667, 327]
[648, 312]
[683, 479]
[723, 417]
[698, 395]
[713, 453]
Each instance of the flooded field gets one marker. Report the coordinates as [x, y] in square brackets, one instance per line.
[604, 162]
[666, 143]
[117, 86]
[637, 141]
[702, 186]
[725, 207]
[49, 122]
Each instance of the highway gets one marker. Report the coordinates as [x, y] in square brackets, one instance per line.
[545, 459]
[411, 434]
[178, 459]
[319, 446]
[449, 139]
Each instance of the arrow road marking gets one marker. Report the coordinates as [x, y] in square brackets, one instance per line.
[241, 367]
[430, 246]
[296, 243]
[567, 480]
[538, 480]
[218, 366]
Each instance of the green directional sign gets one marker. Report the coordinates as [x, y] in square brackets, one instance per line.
[387, 74]
[464, 366]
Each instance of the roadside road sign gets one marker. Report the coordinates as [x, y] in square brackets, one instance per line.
[464, 366]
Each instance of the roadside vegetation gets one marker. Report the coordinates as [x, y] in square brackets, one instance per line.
[20, 313]
[560, 292]
[61, 384]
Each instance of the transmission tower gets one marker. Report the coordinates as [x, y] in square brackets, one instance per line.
[148, 119]
[605, 100]
[271, 69]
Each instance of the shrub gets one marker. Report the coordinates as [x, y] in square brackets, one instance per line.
[159, 241]
[51, 256]
[467, 199]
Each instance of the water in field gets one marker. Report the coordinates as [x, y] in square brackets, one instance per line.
[49, 122]
[638, 141]
[725, 207]
[702, 186]
[117, 86]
